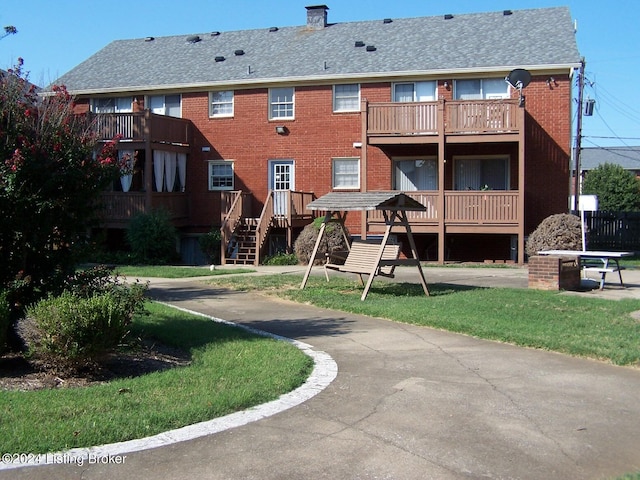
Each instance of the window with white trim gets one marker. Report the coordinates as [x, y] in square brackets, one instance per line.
[169, 105]
[281, 103]
[221, 175]
[415, 174]
[112, 105]
[346, 98]
[481, 89]
[481, 173]
[345, 173]
[221, 103]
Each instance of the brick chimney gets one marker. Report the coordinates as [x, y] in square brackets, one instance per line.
[317, 16]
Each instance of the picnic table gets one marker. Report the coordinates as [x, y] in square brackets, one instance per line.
[599, 261]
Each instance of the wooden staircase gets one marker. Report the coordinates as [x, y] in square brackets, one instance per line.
[244, 237]
[243, 246]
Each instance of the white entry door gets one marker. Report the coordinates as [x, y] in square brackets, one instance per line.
[281, 181]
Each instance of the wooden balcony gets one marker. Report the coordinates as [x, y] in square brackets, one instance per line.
[425, 122]
[141, 127]
[119, 207]
[463, 212]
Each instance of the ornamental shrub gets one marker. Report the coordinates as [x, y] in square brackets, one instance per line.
[81, 325]
[51, 176]
[557, 232]
[210, 244]
[152, 238]
[333, 240]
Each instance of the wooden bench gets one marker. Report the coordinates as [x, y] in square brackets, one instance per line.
[363, 258]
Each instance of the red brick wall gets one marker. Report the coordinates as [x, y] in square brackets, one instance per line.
[315, 136]
[550, 272]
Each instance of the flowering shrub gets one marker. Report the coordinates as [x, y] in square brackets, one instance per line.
[50, 180]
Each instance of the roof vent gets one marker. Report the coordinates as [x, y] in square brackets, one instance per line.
[387, 20]
[193, 39]
[237, 53]
[149, 39]
[506, 12]
[359, 43]
[215, 34]
[448, 16]
[219, 59]
[371, 48]
[317, 16]
[273, 29]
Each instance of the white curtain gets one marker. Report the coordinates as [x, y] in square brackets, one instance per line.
[182, 170]
[158, 168]
[125, 180]
[170, 170]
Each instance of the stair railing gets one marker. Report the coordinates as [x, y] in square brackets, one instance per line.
[264, 224]
[229, 224]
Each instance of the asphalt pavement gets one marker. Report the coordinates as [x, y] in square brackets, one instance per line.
[396, 401]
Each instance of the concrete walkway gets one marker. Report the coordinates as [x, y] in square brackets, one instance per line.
[408, 403]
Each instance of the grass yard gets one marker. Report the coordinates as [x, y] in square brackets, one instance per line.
[586, 327]
[230, 370]
[170, 271]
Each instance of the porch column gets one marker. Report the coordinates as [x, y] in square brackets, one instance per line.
[441, 184]
[521, 185]
[364, 121]
[148, 161]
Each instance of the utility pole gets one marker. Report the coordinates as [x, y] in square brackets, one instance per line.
[578, 146]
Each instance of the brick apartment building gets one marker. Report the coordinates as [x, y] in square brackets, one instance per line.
[241, 130]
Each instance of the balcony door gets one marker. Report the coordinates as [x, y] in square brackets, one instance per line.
[281, 182]
[481, 173]
[415, 119]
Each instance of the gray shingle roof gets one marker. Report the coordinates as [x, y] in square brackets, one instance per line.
[352, 201]
[426, 45]
[627, 157]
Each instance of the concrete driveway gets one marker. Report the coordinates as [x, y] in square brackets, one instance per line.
[408, 403]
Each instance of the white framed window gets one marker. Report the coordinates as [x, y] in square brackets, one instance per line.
[221, 175]
[112, 105]
[414, 91]
[169, 105]
[415, 174]
[481, 89]
[221, 103]
[281, 103]
[345, 173]
[346, 98]
[481, 173]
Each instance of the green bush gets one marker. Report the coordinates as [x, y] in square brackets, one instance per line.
[152, 238]
[618, 190]
[281, 259]
[210, 245]
[81, 324]
[5, 319]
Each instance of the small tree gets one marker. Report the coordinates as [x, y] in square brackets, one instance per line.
[618, 190]
[50, 180]
[152, 237]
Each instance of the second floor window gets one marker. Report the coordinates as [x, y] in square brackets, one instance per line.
[281, 103]
[221, 104]
[481, 89]
[346, 98]
[112, 105]
[416, 174]
[166, 105]
[414, 92]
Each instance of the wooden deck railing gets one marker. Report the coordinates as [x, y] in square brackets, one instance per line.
[121, 206]
[136, 127]
[464, 208]
[460, 117]
[234, 210]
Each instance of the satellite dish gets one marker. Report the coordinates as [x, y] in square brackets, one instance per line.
[518, 78]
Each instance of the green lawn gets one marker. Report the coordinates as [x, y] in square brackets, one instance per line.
[230, 370]
[170, 271]
[587, 327]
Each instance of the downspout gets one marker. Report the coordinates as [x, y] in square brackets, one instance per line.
[363, 163]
